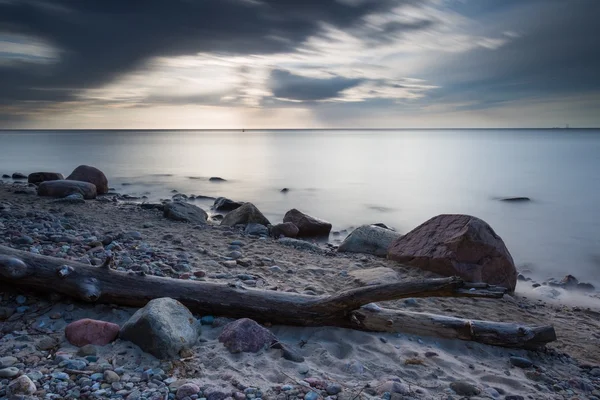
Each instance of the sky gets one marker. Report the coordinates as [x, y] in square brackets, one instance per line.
[257, 64]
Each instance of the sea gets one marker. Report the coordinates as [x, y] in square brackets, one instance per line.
[353, 177]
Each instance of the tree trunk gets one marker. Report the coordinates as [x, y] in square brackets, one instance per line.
[102, 284]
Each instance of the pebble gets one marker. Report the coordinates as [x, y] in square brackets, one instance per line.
[333, 389]
[464, 388]
[87, 350]
[234, 254]
[311, 396]
[9, 372]
[8, 361]
[521, 362]
[21, 386]
[20, 299]
[207, 320]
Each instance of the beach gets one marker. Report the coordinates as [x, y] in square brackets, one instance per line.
[337, 363]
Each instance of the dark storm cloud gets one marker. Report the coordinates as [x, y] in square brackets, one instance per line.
[99, 40]
[556, 53]
[286, 85]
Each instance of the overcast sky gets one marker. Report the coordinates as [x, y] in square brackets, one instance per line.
[299, 63]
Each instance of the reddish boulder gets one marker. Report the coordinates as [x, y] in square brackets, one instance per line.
[286, 229]
[91, 331]
[38, 177]
[89, 174]
[307, 226]
[457, 245]
[246, 336]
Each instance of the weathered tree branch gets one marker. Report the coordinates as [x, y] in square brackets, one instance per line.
[104, 285]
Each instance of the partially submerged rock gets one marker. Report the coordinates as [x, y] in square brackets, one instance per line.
[246, 214]
[64, 188]
[308, 226]
[185, 212]
[216, 179]
[162, 328]
[86, 173]
[90, 331]
[515, 199]
[369, 239]
[459, 245]
[19, 176]
[38, 177]
[225, 204]
[246, 336]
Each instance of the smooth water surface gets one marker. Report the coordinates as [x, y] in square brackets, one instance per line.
[401, 178]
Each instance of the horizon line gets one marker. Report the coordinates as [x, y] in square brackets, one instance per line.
[291, 129]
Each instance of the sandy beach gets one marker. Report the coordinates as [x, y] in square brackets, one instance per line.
[338, 363]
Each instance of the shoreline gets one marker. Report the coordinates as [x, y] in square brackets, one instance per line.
[143, 240]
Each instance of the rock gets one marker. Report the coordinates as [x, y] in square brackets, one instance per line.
[46, 343]
[284, 190]
[393, 387]
[187, 390]
[9, 372]
[75, 198]
[163, 328]
[460, 245]
[224, 204]
[369, 239]
[246, 214]
[8, 361]
[5, 176]
[38, 177]
[63, 188]
[311, 396]
[246, 336]
[374, 276]
[85, 173]
[521, 362]
[569, 282]
[286, 229]
[585, 287]
[111, 376]
[185, 212]
[515, 199]
[333, 388]
[307, 226]
[90, 331]
[18, 175]
[300, 244]
[21, 386]
[464, 388]
[216, 179]
[291, 355]
[256, 230]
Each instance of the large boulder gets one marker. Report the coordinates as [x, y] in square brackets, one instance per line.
[369, 239]
[38, 177]
[64, 188]
[246, 336]
[185, 212]
[459, 245]
[162, 328]
[246, 214]
[89, 174]
[225, 204]
[90, 331]
[286, 229]
[307, 226]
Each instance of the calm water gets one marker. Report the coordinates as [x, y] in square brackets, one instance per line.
[401, 178]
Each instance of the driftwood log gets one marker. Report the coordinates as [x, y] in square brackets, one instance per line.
[345, 309]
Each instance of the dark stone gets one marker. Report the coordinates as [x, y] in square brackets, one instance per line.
[382, 225]
[569, 282]
[246, 336]
[464, 388]
[246, 214]
[284, 190]
[185, 212]
[64, 188]
[521, 362]
[152, 206]
[286, 229]
[38, 177]
[369, 239]
[18, 175]
[585, 287]
[224, 204]
[86, 173]
[516, 199]
[5, 176]
[291, 355]
[308, 226]
[256, 230]
[216, 179]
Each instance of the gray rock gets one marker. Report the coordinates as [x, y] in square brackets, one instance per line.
[162, 328]
[8, 361]
[21, 386]
[300, 244]
[256, 230]
[93, 175]
[187, 390]
[38, 177]
[369, 239]
[333, 389]
[63, 188]
[464, 388]
[308, 226]
[216, 179]
[521, 362]
[75, 198]
[225, 204]
[9, 372]
[18, 175]
[286, 229]
[185, 212]
[111, 376]
[246, 336]
[246, 214]
[291, 355]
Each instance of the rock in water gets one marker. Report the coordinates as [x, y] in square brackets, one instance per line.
[216, 179]
[515, 199]
[246, 214]
[307, 226]
[64, 188]
[89, 174]
[22, 386]
[369, 239]
[38, 177]
[162, 328]
[90, 331]
[186, 212]
[286, 229]
[18, 175]
[457, 245]
[225, 204]
[246, 336]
